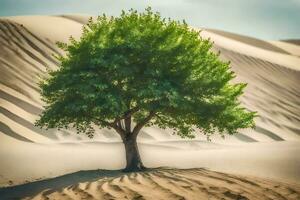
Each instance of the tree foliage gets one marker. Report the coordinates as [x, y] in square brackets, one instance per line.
[143, 68]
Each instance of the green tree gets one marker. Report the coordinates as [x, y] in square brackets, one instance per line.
[139, 70]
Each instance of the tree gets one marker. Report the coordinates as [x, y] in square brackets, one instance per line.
[139, 70]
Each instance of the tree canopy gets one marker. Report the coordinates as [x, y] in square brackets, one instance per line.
[142, 68]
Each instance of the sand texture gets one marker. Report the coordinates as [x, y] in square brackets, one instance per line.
[176, 184]
[270, 151]
[163, 183]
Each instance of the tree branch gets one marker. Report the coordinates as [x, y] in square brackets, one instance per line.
[117, 123]
[140, 125]
[128, 124]
[127, 119]
[127, 113]
[113, 125]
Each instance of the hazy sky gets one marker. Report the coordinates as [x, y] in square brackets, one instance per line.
[266, 19]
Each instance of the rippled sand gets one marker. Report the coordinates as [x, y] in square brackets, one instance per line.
[176, 184]
[27, 153]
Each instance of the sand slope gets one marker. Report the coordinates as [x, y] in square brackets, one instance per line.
[27, 53]
[273, 89]
[177, 184]
[292, 48]
[164, 183]
[271, 69]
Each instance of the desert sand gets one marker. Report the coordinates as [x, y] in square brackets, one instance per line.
[164, 183]
[267, 156]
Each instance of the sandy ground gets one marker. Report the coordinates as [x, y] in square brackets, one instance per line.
[270, 151]
[160, 183]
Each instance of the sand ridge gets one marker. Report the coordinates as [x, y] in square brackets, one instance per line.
[164, 183]
[27, 54]
[270, 150]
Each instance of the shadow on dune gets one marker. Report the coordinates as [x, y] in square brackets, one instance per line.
[8, 131]
[293, 41]
[245, 138]
[163, 183]
[47, 133]
[268, 133]
[30, 189]
[19, 102]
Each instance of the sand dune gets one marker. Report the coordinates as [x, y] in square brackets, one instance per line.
[271, 69]
[290, 47]
[293, 41]
[27, 51]
[164, 183]
[249, 40]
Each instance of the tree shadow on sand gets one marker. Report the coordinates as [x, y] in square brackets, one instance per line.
[30, 189]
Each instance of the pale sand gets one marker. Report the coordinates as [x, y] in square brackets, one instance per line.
[293, 49]
[244, 48]
[271, 69]
[250, 41]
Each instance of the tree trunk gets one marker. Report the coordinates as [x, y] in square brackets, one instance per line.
[133, 158]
